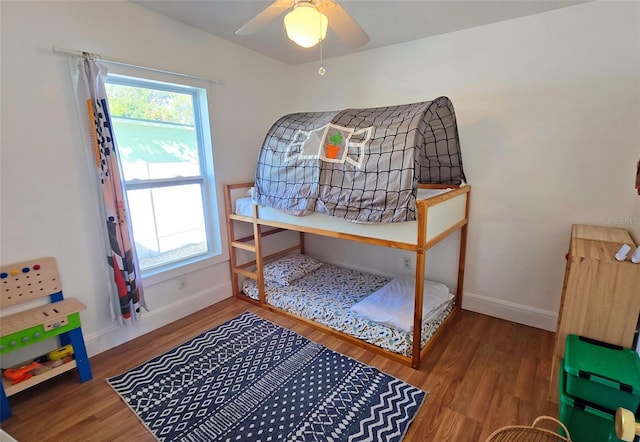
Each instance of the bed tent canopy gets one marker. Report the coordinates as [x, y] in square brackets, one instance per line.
[359, 164]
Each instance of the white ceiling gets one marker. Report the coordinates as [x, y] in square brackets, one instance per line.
[386, 22]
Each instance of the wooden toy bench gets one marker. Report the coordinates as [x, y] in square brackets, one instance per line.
[25, 282]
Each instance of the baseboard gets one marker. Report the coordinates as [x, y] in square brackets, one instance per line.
[498, 308]
[522, 314]
[115, 335]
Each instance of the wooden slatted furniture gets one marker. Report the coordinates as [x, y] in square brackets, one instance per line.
[25, 282]
[600, 296]
[437, 217]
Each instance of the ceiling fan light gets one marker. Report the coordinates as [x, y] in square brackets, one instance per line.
[305, 25]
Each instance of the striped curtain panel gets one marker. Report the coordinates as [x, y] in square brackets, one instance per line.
[127, 298]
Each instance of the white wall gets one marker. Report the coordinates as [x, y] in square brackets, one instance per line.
[47, 196]
[548, 108]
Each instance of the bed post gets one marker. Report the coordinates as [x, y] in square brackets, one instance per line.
[417, 312]
[462, 254]
[419, 282]
[257, 242]
[230, 238]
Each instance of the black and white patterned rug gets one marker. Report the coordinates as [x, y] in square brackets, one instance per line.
[251, 380]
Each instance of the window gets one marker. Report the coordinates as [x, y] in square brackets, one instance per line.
[163, 139]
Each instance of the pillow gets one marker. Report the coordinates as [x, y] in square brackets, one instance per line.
[244, 206]
[286, 270]
[392, 305]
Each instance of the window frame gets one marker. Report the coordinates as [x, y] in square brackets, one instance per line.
[206, 178]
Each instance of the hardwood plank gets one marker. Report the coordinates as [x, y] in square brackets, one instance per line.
[482, 374]
[503, 410]
[476, 391]
[524, 386]
[457, 427]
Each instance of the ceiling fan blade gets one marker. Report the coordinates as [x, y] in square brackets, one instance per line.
[343, 24]
[259, 21]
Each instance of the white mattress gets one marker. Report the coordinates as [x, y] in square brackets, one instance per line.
[440, 217]
[244, 206]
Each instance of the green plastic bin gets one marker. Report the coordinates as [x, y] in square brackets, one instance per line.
[602, 374]
[585, 422]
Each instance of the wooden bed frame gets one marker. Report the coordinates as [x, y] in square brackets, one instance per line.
[426, 236]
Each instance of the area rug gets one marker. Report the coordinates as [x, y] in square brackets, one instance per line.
[251, 380]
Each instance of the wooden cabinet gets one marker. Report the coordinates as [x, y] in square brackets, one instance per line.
[600, 296]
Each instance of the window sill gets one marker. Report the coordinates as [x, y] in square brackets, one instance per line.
[153, 277]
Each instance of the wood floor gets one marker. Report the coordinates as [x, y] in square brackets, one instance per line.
[483, 374]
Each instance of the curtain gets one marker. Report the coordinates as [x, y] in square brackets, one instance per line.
[127, 297]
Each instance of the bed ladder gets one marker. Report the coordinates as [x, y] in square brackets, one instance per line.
[25, 282]
[250, 243]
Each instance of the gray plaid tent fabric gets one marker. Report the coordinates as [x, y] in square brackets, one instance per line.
[359, 164]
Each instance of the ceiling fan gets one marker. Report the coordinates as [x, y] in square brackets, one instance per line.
[306, 23]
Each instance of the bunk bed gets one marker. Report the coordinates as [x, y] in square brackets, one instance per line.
[425, 199]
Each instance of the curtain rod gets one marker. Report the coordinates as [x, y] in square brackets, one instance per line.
[123, 63]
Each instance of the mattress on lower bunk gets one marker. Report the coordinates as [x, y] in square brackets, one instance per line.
[326, 295]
